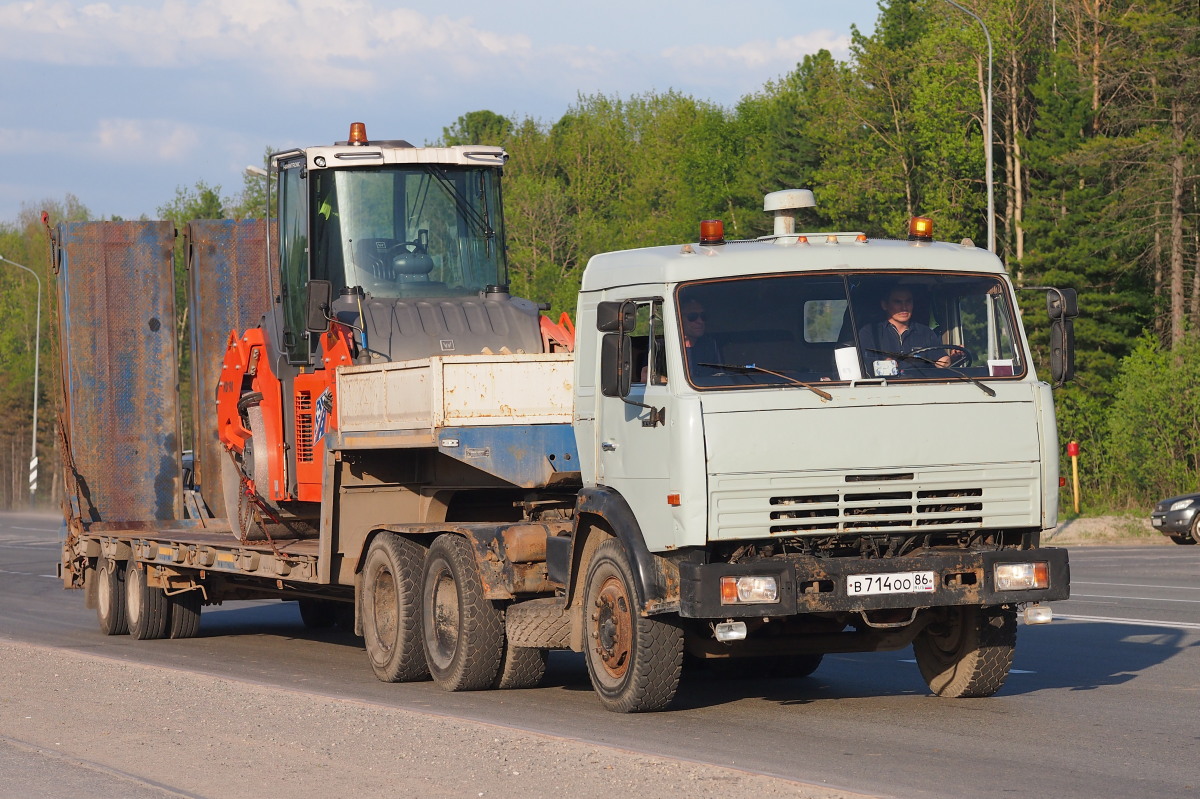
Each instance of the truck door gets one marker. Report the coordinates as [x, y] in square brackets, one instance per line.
[634, 453]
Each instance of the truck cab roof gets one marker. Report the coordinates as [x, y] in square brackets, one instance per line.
[803, 252]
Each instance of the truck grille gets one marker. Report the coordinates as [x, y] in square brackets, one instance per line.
[926, 501]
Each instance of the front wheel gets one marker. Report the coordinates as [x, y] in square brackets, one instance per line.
[463, 631]
[1192, 536]
[633, 660]
[968, 652]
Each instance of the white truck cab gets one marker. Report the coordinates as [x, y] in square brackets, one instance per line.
[839, 435]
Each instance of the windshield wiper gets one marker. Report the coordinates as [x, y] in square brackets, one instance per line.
[463, 204]
[910, 357]
[752, 367]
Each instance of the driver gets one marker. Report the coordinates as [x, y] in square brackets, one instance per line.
[899, 335]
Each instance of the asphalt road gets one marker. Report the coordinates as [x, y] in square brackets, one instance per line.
[1101, 703]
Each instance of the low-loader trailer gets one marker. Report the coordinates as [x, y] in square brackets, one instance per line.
[744, 453]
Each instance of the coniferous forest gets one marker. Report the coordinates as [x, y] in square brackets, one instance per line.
[1096, 151]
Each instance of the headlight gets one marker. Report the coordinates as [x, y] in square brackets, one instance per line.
[1022, 576]
[1181, 504]
[748, 590]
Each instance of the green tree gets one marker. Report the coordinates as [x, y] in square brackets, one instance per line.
[478, 127]
[199, 202]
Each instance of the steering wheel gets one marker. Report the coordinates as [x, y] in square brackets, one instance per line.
[960, 356]
[406, 248]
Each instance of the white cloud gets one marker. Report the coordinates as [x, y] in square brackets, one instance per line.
[328, 41]
[757, 55]
[139, 140]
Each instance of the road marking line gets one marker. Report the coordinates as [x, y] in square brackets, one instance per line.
[29, 574]
[1138, 585]
[36, 529]
[1136, 598]
[1178, 625]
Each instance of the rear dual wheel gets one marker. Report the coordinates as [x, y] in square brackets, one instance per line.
[390, 605]
[146, 607]
[463, 631]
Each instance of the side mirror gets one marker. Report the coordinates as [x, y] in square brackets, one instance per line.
[615, 315]
[616, 365]
[1062, 303]
[320, 294]
[1062, 350]
[1062, 306]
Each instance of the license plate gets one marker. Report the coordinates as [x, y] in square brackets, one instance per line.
[893, 583]
[1156, 522]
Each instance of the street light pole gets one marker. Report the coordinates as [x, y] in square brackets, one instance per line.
[987, 129]
[37, 348]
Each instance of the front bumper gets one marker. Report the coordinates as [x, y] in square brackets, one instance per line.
[1174, 522]
[819, 585]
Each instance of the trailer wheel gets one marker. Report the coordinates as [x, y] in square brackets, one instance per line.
[462, 630]
[391, 608]
[634, 661]
[185, 614]
[110, 597]
[520, 667]
[146, 607]
[968, 652]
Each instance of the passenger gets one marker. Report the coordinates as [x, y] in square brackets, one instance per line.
[898, 336]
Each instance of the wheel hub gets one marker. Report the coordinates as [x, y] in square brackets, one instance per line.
[613, 630]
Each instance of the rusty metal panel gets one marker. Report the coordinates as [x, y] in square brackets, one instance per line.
[119, 359]
[228, 290]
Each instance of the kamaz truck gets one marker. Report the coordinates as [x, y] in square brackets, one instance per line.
[725, 459]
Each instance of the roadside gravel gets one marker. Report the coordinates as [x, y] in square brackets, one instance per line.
[1105, 531]
[74, 725]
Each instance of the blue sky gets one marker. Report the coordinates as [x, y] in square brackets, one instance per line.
[121, 102]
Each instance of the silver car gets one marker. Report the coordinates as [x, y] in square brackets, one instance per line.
[1177, 517]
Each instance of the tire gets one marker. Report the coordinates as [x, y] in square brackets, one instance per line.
[634, 661]
[147, 608]
[969, 652]
[463, 632]
[185, 614]
[520, 667]
[110, 597]
[238, 508]
[1191, 536]
[390, 603]
[538, 624]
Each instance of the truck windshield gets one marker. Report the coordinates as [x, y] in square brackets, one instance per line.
[829, 328]
[412, 230]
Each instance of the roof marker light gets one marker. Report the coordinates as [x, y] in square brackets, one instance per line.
[712, 231]
[920, 228]
[358, 133]
[831, 239]
[861, 238]
[802, 239]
